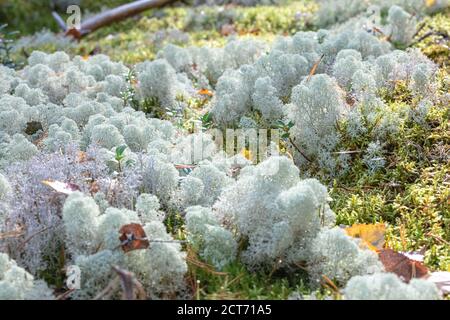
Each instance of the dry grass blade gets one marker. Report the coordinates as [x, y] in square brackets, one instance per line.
[314, 68]
[330, 284]
[22, 245]
[12, 234]
[106, 293]
[131, 287]
[193, 259]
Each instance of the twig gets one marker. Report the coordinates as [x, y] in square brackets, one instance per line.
[59, 21]
[299, 150]
[347, 152]
[110, 288]
[65, 295]
[22, 245]
[422, 25]
[107, 17]
[438, 238]
[129, 283]
[429, 34]
[330, 284]
[314, 68]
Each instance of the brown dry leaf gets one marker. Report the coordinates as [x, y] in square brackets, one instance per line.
[61, 187]
[401, 265]
[94, 187]
[184, 166]
[81, 157]
[227, 30]
[74, 32]
[372, 235]
[133, 237]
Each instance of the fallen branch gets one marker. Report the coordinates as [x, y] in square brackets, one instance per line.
[107, 17]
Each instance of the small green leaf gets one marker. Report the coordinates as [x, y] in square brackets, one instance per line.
[129, 162]
[119, 152]
[206, 118]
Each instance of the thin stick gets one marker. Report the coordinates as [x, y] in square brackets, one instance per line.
[299, 150]
[22, 245]
[59, 20]
[65, 295]
[109, 16]
[106, 293]
[314, 68]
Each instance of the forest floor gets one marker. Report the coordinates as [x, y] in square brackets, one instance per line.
[411, 195]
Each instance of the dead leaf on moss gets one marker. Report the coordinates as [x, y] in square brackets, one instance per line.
[205, 92]
[401, 265]
[372, 235]
[133, 237]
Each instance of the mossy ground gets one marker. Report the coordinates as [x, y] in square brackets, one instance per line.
[411, 195]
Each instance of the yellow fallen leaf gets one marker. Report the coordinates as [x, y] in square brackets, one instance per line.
[246, 153]
[372, 235]
[430, 3]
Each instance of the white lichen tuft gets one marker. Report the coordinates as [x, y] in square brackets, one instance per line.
[387, 286]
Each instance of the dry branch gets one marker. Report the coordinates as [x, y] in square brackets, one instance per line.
[107, 17]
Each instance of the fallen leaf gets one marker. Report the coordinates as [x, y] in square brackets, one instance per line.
[133, 237]
[227, 30]
[94, 187]
[205, 92]
[184, 166]
[246, 153]
[62, 187]
[81, 157]
[430, 3]
[401, 265]
[372, 235]
[74, 32]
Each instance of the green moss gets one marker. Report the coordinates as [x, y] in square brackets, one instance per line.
[411, 194]
[436, 46]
